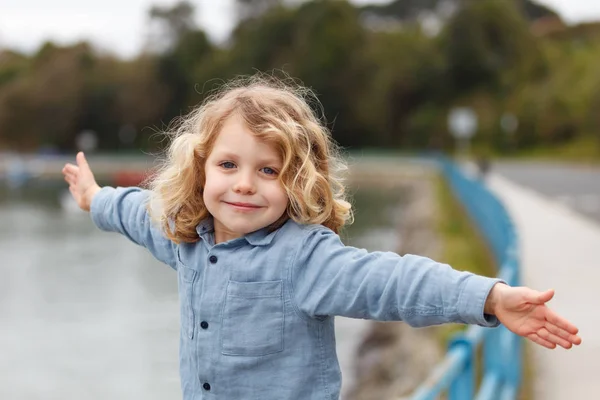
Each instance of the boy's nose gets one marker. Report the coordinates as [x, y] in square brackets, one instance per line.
[245, 185]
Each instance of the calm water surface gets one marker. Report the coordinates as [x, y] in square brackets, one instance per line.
[86, 314]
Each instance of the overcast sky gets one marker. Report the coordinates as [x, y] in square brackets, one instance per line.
[120, 25]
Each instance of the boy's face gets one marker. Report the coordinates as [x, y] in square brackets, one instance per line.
[242, 191]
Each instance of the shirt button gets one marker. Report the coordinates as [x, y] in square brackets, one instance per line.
[213, 259]
[204, 325]
[206, 386]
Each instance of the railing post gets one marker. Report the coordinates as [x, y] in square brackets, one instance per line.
[463, 386]
[513, 361]
[493, 352]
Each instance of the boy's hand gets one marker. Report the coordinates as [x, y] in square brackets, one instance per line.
[82, 183]
[523, 311]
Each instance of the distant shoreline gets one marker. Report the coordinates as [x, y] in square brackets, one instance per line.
[106, 167]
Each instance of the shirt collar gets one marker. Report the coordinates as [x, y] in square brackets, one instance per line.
[261, 237]
[205, 228]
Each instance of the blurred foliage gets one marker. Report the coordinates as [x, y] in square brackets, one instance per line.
[463, 246]
[386, 75]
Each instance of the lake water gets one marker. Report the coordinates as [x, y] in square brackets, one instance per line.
[86, 314]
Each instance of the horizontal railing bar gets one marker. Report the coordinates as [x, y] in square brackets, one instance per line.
[450, 367]
[442, 375]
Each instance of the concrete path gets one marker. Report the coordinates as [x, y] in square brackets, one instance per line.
[560, 249]
[577, 186]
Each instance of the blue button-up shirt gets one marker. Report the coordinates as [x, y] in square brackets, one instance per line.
[257, 312]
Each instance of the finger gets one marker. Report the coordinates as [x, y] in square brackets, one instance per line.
[70, 168]
[572, 338]
[69, 177]
[560, 322]
[81, 160]
[552, 338]
[542, 342]
[70, 171]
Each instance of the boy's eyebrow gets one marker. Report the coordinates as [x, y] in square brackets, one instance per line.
[271, 161]
[233, 156]
[226, 155]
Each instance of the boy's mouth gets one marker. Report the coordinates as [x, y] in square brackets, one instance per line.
[243, 206]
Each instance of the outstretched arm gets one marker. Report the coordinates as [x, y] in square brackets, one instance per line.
[121, 210]
[329, 278]
[523, 311]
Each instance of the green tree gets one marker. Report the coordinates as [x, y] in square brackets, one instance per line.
[322, 43]
[43, 105]
[174, 22]
[486, 42]
[188, 48]
[407, 89]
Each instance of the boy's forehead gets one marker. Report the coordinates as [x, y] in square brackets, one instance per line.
[234, 129]
[237, 146]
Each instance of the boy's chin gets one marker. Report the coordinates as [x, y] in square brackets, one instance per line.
[244, 229]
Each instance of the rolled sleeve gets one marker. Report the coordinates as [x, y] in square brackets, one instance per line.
[99, 205]
[123, 210]
[472, 301]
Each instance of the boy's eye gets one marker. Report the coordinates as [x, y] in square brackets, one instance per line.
[227, 165]
[269, 171]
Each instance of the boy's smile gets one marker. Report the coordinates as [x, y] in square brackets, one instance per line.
[242, 190]
[243, 206]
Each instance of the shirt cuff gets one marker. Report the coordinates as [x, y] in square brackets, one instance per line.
[98, 207]
[472, 301]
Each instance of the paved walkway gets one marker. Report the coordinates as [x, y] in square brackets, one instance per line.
[560, 249]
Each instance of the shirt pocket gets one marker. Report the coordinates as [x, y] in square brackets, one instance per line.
[253, 319]
[185, 280]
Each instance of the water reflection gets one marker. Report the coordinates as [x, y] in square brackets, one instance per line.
[87, 314]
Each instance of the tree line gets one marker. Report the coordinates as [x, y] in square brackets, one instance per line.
[386, 75]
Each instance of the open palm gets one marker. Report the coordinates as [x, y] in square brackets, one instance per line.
[82, 183]
[524, 311]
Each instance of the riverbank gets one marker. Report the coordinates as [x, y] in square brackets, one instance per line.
[393, 357]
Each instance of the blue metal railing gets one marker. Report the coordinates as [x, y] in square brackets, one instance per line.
[502, 350]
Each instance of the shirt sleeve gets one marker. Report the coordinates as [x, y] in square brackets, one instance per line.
[123, 210]
[329, 278]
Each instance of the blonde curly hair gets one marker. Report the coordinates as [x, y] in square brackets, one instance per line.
[275, 110]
